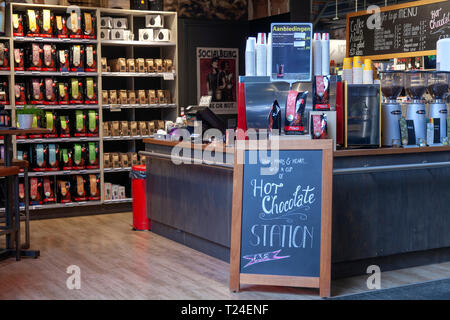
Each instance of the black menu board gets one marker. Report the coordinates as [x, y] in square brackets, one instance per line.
[406, 30]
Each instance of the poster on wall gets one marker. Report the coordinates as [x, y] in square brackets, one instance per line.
[217, 76]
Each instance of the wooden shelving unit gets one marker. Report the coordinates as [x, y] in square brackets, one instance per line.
[105, 81]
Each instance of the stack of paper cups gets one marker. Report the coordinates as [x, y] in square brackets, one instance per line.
[368, 72]
[261, 55]
[250, 57]
[325, 45]
[348, 70]
[269, 54]
[317, 54]
[357, 70]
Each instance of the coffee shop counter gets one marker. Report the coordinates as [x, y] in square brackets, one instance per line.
[391, 207]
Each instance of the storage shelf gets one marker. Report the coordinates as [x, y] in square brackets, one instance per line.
[136, 74]
[63, 106]
[138, 43]
[54, 40]
[61, 173]
[115, 170]
[127, 200]
[59, 205]
[119, 138]
[139, 106]
[55, 73]
[58, 140]
[5, 73]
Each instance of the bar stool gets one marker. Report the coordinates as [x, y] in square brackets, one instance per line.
[24, 165]
[6, 172]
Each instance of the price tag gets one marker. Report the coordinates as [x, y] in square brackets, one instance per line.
[168, 76]
[114, 107]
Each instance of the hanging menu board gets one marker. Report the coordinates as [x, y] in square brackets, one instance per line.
[281, 228]
[399, 31]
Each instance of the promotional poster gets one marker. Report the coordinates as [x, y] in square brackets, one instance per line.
[217, 76]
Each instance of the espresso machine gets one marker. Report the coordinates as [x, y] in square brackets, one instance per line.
[438, 85]
[416, 83]
[392, 83]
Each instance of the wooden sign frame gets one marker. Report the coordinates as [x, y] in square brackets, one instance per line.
[323, 282]
[391, 8]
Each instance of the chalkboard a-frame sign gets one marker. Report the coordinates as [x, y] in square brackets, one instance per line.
[281, 223]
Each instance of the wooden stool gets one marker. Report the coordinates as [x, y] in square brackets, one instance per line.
[8, 172]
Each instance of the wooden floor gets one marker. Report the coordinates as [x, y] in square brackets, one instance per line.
[118, 263]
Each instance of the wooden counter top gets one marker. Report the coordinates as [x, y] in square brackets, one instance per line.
[195, 146]
[337, 153]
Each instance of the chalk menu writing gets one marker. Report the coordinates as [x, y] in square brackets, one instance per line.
[407, 30]
[281, 216]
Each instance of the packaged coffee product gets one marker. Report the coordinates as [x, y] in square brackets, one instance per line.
[79, 188]
[113, 97]
[104, 63]
[319, 126]
[124, 161]
[65, 158]
[133, 157]
[149, 64]
[167, 65]
[50, 123]
[49, 53]
[130, 65]
[158, 65]
[151, 127]
[77, 58]
[35, 54]
[275, 118]
[133, 128]
[53, 157]
[50, 88]
[61, 26]
[295, 113]
[167, 96]
[142, 125]
[321, 93]
[19, 91]
[79, 156]
[90, 88]
[107, 160]
[92, 126]
[4, 96]
[142, 99]
[64, 194]
[94, 187]
[115, 128]
[39, 157]
[118, 65]
[36, 191]
[115, 192]
[123, 98]
[64, 127]
[47, 24]
[74, 25]
[63, 60]
[115, 160]
[92, 156]
[161, 124]
[17, 24]
[105, 97]
[122, 193]
[4, 56]
[76, 91]
[19, 61]
[91, 58]
[90, 25]
[108, 191]
[131, 97]
[48, 188]
[151, 95]
[33, 23]
[160, 96]
[36, 91]
[142, 158]
[140, 65]
[124, 128]
[106, 131]
[63, 93]
[79, 127]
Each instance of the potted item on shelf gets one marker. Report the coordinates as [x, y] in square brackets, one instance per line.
[64, 127]
[19, 62]
[79, 127]
[90, 25]
[39, 157]
[64, 194]
[4, 56]
[65, 158]
[49, 55]
[90, 91]
[28, 117]
[92, 156]
[61, 26]
[76, 91]
[50, 89]
[53, 157]
[63, 60]
[46, 24]
[79, 188]
[94, 187]
[63, 93]
[35, 56]
[17, 23]
[4, 96]
[32, 23]
[79, 157]
[77, 58]
[91, 58]
[36, 191]
[19, 91]
[50, 123]
[36, 91]
[92, 120]
[49, 193]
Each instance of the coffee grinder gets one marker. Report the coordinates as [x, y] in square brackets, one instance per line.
[438, 85]
[392, 83]
[416, 83]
